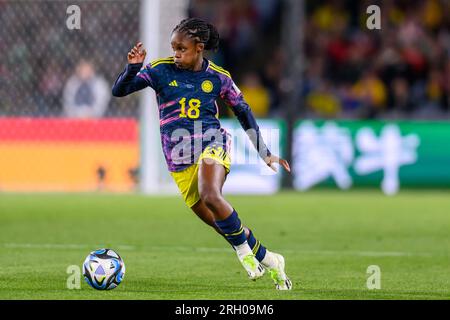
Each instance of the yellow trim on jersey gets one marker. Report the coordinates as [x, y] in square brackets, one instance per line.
[162, 59]
[222, 72]
[219, 69]
[168, 62]
[159, 61]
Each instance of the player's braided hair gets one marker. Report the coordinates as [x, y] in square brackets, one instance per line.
[200, 31]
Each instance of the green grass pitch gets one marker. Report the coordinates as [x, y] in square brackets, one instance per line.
[329, 238]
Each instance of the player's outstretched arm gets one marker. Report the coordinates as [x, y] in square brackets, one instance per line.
[248, 122]
[127, 82]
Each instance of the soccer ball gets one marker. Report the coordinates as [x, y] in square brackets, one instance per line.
[103, 269]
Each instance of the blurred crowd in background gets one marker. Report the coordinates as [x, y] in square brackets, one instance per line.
[400, 71]
[48, 70]
[349, 71]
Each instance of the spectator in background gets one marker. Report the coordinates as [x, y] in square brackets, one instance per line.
[256, 95]
[414, 42]
[271, 78]
[400, 69]
[446, 86]
[50, 88]
[371, 92]
[351, 105]
[86, 94]
[432, 96]
[330, 15]
[323, 101]
[400, 99]
[433, 14]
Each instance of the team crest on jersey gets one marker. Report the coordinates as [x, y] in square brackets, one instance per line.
[207, 86]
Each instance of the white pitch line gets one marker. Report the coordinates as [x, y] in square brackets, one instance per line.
[217, 249]
[62, 246]
[316, 252]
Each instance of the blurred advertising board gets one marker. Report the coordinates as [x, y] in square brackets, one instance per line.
[384, 154]
[249, 174]
[85, 155]
[54, 154]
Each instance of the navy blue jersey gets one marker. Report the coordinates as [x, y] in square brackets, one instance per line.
[188, 110]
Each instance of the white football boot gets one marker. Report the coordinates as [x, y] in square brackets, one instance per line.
[274, 263]
[254, 269]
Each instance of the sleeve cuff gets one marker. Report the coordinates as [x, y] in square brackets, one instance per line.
[134, 66]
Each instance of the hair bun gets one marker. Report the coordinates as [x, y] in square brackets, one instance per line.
[201, 31]
[213, 41]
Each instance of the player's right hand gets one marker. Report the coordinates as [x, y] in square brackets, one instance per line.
[270, 160]
[137, 54]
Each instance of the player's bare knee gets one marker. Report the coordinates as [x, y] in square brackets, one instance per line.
[211, 198]
[247, 231]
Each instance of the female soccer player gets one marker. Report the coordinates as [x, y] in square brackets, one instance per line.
[196, 148]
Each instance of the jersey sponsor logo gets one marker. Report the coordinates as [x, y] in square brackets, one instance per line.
[173, 83]
[207, 86]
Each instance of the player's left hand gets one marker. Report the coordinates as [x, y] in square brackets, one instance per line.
[270, 160]
[137, 54]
